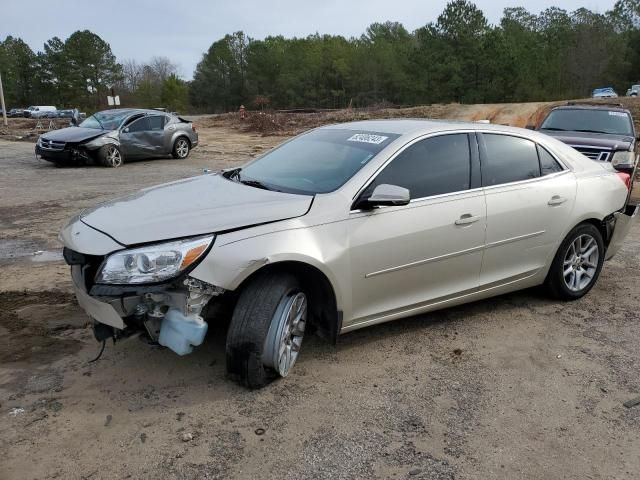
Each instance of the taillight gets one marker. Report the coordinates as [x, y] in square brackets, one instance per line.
[626, 179]
[193, 127]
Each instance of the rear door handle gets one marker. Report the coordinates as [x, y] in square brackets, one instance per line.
[467, 219]
[556, 200]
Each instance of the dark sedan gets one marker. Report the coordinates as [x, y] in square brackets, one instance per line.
[113, 136]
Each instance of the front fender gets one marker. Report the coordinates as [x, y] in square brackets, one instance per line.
[100, 142]
[324, 247]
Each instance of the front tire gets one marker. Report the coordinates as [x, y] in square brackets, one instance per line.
[181, 148]
[266, 331]
[577, 264]
[110, 156]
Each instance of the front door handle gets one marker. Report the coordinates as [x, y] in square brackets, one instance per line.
[556, 200]
[467, 219]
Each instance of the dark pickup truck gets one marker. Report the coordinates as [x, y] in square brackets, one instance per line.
[601, 131]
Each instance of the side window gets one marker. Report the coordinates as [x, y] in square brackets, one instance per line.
[433, 166]
[508, 159]
[139, 125]
[548, 164]
[156, 122]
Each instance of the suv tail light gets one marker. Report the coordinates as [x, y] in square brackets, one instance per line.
[626, 179]
[193, 127]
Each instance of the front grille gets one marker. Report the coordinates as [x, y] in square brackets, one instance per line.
[594, 153]
[51, 144]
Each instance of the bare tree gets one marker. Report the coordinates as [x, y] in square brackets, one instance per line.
[163, 68]
[132, 74]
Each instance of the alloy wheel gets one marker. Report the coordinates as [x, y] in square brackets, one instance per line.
[182, 148]
[284, 339]
[114, 159]
[580, 263]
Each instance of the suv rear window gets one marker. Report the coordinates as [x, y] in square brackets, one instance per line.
[587, 120]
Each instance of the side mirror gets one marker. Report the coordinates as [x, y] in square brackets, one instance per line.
[386, 195]
[126, 130]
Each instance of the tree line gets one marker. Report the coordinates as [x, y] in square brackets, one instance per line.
[459, 57]
[81, 71]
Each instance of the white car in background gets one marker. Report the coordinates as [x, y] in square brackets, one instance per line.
[343, 227]
[606, 92]
[39, 111]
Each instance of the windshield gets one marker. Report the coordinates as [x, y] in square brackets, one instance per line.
[317, 162]
[592, 121]
[105, 120]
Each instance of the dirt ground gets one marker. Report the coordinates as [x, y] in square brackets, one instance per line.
[518, 386]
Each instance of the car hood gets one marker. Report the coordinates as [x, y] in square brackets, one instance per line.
[604, 140]
[195, 206]
[74, 134]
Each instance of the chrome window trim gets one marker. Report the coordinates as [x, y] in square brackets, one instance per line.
[565, 168]
[524, 182]
[590, 146]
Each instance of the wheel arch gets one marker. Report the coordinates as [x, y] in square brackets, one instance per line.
[177, 136]
[325, 318]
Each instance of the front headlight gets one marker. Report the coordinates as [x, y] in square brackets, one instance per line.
[623, 160]
[153, 263]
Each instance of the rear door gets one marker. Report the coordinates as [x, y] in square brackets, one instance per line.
[156, 135]
[529, 196]
[406, 257]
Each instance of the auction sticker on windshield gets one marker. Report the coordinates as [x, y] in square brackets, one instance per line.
[617, 114]
[367, 138]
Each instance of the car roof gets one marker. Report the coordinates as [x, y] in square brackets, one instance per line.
[131, 110]
[402, 126]
[593, 106]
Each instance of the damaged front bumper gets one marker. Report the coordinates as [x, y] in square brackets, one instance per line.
[169, 313]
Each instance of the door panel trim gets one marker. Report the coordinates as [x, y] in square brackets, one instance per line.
[515, 239]
[425, 261]
[439, 302]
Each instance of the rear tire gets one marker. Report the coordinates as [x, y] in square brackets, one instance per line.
[264, 329]
[181, 148]
[110, 156]
[577, 264]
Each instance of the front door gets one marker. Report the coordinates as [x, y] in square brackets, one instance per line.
[407, 257]
[134, 140]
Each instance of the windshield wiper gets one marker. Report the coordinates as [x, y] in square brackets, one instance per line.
[590, 131]
[254, 183]
[555, 129]
[236, 177]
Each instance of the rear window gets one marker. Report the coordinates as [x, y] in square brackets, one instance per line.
[508, 159]
[614, 122]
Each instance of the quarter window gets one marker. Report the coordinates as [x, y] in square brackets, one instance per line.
[430, 167]
[508, 159]
[548, 164]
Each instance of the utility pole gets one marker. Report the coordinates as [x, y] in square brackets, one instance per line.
[4, 109]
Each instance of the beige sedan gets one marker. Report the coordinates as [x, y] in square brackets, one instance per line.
[343, 227]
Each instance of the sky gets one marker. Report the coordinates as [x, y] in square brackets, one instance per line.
[184, 29]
